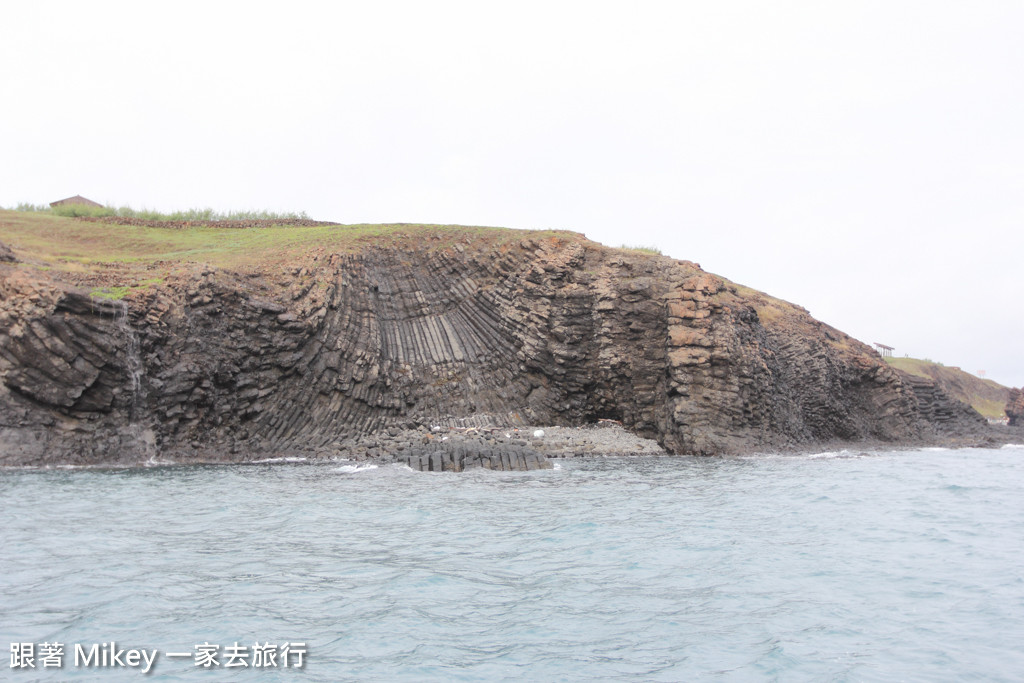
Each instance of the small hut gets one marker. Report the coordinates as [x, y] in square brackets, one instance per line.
[77, 199]
[885, 351]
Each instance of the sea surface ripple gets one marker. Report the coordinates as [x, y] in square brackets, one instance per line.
[839, 566]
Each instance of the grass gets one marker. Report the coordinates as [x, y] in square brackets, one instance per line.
[115, 293]
[45, 239]
[654, 251]
[769, 309]
[914, 366]
[119, 292]
[990, 408]
[22, 206]
[77, 210]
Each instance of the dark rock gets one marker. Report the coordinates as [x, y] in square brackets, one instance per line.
[935, 405]
[553, 331]
[1015, 407]
[458, 457]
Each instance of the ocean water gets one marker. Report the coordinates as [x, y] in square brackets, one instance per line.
[845, 566]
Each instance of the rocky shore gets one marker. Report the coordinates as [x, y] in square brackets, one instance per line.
[457, 449]
[445, 449]
[440, 448]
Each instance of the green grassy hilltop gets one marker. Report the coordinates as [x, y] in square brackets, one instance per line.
[73, 244]
[987, 397]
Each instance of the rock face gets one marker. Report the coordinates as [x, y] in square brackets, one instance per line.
[6, 255]
[458, 458]
[936, 406]
[223, 365]
[1015, 407]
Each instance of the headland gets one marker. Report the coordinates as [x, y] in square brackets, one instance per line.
[121, 341]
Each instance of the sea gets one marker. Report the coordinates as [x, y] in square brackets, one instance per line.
[837, 566]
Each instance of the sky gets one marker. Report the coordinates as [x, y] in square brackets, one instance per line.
[864, 160]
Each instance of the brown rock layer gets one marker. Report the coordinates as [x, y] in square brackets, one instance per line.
[553, 331]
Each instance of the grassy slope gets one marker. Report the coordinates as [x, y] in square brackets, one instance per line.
[987, 397]
[77, 246]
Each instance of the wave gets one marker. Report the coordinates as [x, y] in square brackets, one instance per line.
[355, 469]
[827, 455]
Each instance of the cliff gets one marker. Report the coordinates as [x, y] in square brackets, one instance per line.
[1015, 407]
[983, 395]
[307, 337]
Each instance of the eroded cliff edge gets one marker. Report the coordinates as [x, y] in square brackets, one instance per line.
[235, 364]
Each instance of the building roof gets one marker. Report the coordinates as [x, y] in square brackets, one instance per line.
[77, 199]
[883, 346]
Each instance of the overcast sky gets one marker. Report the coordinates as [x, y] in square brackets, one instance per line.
[862, 159]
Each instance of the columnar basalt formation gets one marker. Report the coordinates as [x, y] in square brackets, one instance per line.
[460, 457]
[936, 406]
[225, 365]
[1015, 407]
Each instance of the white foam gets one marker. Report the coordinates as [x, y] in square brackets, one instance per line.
[829, 454]
[272, 460]
[935, 448]
[1013, 445]
[354, 469]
